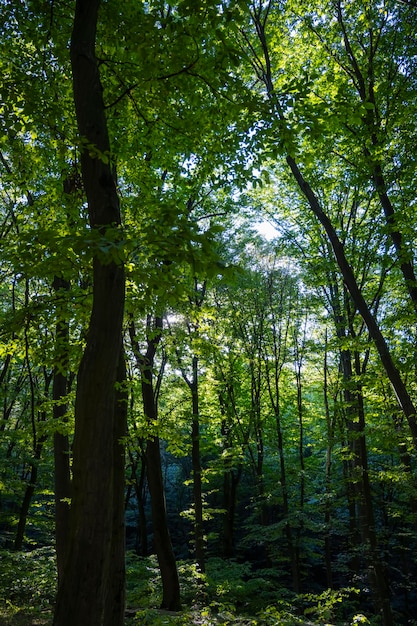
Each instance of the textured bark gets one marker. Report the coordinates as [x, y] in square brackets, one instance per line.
[86, 594]
[114, 610]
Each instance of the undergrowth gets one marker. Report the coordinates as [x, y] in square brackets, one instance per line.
[229, 593]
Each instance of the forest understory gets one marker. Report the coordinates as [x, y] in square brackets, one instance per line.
[231, 594]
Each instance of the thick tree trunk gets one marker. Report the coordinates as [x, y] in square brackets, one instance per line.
[86, 595]
[114, 611]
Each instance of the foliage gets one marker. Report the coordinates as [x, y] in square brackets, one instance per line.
[28, 584]
[207, 105]
[228, 595]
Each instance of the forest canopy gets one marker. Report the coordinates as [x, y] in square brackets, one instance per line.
[208, 311]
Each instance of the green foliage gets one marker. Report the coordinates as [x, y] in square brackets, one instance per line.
[27, 582]
[204, 101]
[327, 605]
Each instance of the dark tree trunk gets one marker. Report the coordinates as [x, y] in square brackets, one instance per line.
[377, 572]
[140, 495]
[139, 485]
[231, 480]
[171, 599]
[359, 475]
[27, 499]
[114, 612]
[86, 595]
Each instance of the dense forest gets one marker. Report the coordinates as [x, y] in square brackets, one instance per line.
[208, 349]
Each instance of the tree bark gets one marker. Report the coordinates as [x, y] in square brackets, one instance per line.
[86, 596]
[114, 612]
[359, 488]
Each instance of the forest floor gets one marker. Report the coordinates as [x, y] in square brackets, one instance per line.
[26, 617]
[229, 594]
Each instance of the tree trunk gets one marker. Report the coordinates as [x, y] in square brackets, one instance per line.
[231, 481]
[139, 483]
[114, 611]
[171, 599]
[372, 122]
[355, 419]
[27, 499]
[86, 596]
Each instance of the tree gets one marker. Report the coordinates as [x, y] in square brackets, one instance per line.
[196, 300]
[263, 67]
[92, 586]
[171, 599]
